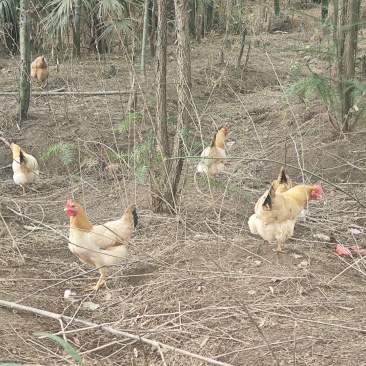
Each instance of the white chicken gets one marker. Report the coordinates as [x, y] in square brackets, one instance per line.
[214, 155]
[25, 167]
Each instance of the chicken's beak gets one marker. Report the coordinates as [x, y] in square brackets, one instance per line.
[66, 209]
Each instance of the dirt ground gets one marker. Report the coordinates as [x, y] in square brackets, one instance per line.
[198, 281]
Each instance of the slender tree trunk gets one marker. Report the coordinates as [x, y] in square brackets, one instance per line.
[161, 112]
[193, 17]
[165, 182]
[144, 35]
[242, 44]
[200, 11]
[276, 5]
[24, 90]
[184, 86]
[77, 31]
[349, 20]
[228, 25]
[209, 17]
[324, 6]
[153, 29]
[158, 179]
[221, 16]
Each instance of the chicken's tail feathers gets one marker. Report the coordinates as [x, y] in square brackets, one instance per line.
[131, 209]
[283, 178]
[270, 195]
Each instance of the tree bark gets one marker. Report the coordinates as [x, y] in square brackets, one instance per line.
[77, 31]
[144, 36]
[24, 90]
[165, 182]
[184, 87]
[159, 178]
[349, 20]
[161, 112]
[153, 29]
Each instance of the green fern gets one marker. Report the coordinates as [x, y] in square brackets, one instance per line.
[141, 173]
[113, 156]
[128, 121]
[63, 150]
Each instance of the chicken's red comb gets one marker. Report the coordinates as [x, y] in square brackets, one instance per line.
[319, 188]
[224, 127]
[69, 202]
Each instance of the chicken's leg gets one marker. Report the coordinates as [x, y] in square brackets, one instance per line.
[279, 248]
[103, 271]
[24, 191]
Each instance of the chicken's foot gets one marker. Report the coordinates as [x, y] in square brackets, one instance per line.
[24, 190]
[96, 287]
[101, 281]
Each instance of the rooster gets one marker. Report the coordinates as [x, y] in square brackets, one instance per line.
[214, 155]
[25, 167]
[39, 69]
[99, 245]
[277, 210]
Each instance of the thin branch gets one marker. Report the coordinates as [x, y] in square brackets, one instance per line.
[158, 345]
[85, 93]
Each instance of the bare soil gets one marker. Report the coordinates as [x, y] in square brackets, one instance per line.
[198, 281]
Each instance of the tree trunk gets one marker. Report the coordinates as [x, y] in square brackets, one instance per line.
[153, 29]
[24, 90]
[324, 6]
[144, 35]
[349, 20]
[184, 90]
[161, 112]
[200, 11]
[228, 25]
[77, 31]
[157, 179]
[165, 182]
[209, 18]
[276, 5]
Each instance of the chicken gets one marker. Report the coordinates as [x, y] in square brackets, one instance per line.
[213, 155]
[99, 245]
[39, 69]
[25, 167]
[277, 210]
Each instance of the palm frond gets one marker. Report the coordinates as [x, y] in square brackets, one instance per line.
[7, 12]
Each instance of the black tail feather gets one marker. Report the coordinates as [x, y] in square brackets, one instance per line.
[135, 217]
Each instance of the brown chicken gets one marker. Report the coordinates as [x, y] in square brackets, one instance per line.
[39, 69]
[99, 245]
[214, 155]
[25, 167]
[277, 210]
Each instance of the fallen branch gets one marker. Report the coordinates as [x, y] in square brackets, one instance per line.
[158, 345]
[84, 93]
